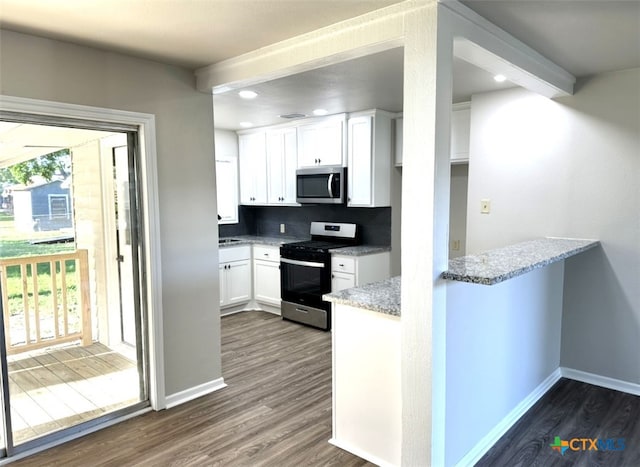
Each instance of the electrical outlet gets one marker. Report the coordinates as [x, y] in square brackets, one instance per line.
[455, 245]
[282, 229]
[485, 206]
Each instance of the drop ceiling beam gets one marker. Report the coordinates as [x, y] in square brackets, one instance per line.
[486, 46]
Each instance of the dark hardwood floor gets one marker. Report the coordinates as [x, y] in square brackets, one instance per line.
[276, 410]
[569, 410]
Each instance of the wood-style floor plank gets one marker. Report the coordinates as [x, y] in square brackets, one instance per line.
[276, 410]
[572, 409]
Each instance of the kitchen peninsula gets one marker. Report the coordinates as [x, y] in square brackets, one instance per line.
[503, 322]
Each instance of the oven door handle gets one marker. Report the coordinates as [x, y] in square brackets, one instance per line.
[302, 263]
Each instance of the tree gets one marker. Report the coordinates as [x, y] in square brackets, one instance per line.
[47, 166]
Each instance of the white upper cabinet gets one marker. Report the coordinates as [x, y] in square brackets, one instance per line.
[399, 128]
[460, 132]
[369, 159]
[253, 168]
[281, 166]
[227, 189]
[321, 142]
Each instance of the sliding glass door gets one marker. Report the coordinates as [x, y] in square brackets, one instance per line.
[73, 315]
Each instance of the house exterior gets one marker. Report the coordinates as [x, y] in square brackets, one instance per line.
[594, 187]
[43, 206]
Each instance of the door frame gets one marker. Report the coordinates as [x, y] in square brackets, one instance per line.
[150, 213]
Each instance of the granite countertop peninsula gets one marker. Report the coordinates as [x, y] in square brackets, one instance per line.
[494, 266]
[382, 296]
[360, 250]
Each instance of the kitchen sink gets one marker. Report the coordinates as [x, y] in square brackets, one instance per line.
[226, 241]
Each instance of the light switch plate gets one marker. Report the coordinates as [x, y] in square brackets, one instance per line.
[282, 228]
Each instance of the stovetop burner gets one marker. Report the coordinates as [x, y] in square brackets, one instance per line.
[325, 236]
[316, 245]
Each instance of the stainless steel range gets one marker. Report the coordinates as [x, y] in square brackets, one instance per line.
[305, 273]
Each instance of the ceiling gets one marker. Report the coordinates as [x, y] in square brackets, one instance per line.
[584, 37]
[20, 141]
[189, 33]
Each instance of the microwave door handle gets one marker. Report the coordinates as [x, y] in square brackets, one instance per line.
[330, 185]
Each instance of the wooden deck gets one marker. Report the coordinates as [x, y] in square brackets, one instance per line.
[57, 388]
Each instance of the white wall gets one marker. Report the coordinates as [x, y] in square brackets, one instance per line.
[46, 69]
[569, 167]
[226, 143]
[503, 341]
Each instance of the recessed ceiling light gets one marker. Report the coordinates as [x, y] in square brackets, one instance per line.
[247, 94]
[500, 78]
[320, 112]
[246, 124]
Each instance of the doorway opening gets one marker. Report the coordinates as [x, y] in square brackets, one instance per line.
[75, 351]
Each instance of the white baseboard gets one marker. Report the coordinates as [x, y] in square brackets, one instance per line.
[194, 392]
[481, 448]
[360, 453]
[602, 381]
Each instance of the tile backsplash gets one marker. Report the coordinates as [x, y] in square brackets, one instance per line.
[374, 223]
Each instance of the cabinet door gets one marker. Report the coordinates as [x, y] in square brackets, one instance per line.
[290, 165]
[321, 142]
[238, 282]
[281, 166]
[253, 168]
[227, 189]
[360, 161]
[341, 281]
[399, 141]
[222, 274]
[266, 282]
[460, 131]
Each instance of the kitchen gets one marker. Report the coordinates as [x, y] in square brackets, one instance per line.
[545, 121]
[593, 341]
[275, 212]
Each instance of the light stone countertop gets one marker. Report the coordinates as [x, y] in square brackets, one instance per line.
[259, 240]
[358, 250]
[494, 266]
[382, 296]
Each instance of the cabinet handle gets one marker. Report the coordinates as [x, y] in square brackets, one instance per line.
[333, 276]
[266, 254]
[341, 265]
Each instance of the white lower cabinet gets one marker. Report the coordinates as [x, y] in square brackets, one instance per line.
[266, 274]
[354, 271]
[341, 281]
[235, 275]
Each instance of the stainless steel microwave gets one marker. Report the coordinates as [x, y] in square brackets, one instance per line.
[321, 185]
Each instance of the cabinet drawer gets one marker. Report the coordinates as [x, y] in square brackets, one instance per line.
[343, 264]
[267, 253]
[235, 253]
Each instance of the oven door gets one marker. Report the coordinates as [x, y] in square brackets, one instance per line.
[304, 280]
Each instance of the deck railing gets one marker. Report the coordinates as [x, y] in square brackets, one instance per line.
[45, 300]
